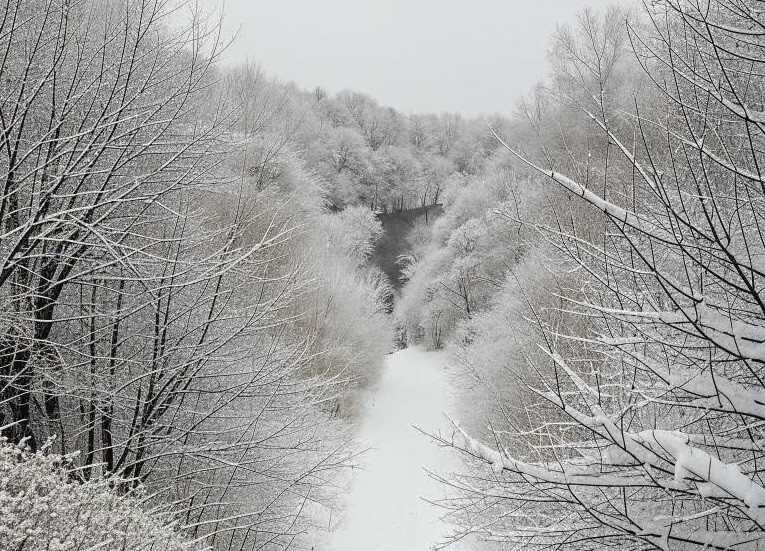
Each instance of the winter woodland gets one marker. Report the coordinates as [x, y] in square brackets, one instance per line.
[193, 304]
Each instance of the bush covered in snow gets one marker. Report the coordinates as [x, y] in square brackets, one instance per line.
[44, 507]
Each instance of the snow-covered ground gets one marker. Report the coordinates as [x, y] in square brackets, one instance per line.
[385, 510]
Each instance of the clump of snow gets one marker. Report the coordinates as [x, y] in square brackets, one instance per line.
[725, 479]
[683, 458]
[43, 508]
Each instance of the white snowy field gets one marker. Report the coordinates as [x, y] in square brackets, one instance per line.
[385, 510]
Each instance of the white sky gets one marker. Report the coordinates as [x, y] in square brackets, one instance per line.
[469, 56]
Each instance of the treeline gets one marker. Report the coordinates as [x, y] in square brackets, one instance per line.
[601, 281]
[372, 155]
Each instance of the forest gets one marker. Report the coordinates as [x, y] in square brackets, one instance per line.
[194, 299]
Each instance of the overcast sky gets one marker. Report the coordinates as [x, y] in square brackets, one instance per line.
[469, 56]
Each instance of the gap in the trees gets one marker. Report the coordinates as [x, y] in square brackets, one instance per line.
[395, 242]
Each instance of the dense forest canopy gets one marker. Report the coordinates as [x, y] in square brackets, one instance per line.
[191, 301]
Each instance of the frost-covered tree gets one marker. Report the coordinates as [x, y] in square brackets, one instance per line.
[100, 131]
[455, 272]
[156, 257]
[654, 434]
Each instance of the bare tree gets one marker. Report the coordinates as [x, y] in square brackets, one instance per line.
[97, 134]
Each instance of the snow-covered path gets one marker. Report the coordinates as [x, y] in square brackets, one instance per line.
[385, 510]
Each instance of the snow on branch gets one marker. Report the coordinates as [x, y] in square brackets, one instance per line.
[663, 458]
[616, 213]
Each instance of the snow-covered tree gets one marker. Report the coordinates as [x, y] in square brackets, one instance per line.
[654, 434]
[154, 269]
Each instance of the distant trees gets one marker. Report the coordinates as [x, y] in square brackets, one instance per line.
[645, 426]
[374, 155]
[453, 275]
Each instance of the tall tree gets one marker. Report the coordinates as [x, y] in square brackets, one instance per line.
[657, 438]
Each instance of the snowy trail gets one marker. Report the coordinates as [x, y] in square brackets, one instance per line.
[385, 509]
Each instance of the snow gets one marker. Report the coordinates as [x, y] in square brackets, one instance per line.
[723, 479]
[385, 509]
[735, 336]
